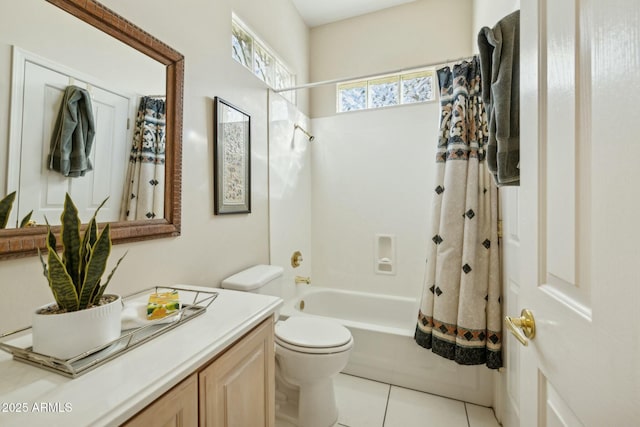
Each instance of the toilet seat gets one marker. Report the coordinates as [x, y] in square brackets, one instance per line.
[314, 350]
[312, 335]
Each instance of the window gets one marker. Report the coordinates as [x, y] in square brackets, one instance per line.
[263, 64]
[242, 45]
[417, 87]
[258, 58]
[352, 96]
[384, 91]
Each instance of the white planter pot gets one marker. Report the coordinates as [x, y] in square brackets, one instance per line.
[67, 335]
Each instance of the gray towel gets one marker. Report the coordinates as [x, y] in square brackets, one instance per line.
[500, 66]
[73, 134]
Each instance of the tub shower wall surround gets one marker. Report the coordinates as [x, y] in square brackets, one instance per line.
[384, 350]
[347, 206]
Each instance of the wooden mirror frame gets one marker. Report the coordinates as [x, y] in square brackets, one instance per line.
[21, 242]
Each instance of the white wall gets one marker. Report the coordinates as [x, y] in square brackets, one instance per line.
[486, 13]
[409, 35]
[211, 247]
[289, 190]
[372, 171]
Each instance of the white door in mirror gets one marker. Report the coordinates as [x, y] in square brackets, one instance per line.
[43, 190]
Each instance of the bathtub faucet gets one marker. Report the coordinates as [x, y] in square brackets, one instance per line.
[301, 279]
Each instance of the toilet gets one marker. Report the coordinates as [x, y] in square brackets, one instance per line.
[310, 352]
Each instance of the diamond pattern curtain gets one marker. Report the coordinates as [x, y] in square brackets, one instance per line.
[460, 317]
[144, 195]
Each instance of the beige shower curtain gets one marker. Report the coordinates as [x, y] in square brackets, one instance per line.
[460, 316]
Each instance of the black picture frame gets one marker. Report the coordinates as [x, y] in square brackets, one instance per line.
[231, 159]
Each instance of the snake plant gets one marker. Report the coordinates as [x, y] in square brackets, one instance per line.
[75, 276]
[5, 209]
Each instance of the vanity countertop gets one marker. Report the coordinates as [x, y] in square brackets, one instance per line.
[114, 392]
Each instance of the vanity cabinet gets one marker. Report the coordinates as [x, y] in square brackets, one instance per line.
[235, 389]
[178, 407]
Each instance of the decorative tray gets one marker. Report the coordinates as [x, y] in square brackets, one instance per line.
[21, 349]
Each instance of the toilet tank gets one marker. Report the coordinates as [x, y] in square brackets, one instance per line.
[261, 279]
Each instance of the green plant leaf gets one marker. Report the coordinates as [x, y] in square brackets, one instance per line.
[97, 297]
[61, 283]
[99, 254]
[75, 276]
[70, 232]
[88, 240]
[95, 214]
[5, 208]
[25, 220]
[51, 238]
[45, 271]
[93, 230]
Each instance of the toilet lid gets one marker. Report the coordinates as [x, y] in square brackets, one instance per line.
[312, 332]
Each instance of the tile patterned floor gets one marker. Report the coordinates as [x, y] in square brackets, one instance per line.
[365, 403]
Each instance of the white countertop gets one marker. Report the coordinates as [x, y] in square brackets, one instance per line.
[111, 394]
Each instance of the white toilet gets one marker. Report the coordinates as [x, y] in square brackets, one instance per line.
[310, 352]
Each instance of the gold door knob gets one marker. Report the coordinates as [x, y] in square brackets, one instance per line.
[526, 322]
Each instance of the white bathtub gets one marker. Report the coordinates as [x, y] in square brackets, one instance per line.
[384, 349]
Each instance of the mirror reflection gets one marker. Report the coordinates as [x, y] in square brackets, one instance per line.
[80, 112]
[100, 55]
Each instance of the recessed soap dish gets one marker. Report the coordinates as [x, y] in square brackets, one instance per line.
[385, 253]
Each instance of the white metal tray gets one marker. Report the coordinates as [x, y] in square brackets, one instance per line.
[18, 343]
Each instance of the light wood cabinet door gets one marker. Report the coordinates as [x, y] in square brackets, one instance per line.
[177, 408]
[238, 388]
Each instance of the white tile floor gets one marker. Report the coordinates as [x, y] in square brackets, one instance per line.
[365, 403]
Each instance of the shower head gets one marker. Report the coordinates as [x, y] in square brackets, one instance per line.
[309, 136]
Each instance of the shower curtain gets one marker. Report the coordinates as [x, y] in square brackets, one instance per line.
[459, 316]
[144, 193]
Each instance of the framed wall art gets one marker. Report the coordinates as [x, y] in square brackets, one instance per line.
[231, 159]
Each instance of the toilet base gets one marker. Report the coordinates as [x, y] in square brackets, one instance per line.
[317, 404]
[311, 405]
[286, 399]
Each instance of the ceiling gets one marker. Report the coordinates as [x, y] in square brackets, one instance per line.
[319, 12]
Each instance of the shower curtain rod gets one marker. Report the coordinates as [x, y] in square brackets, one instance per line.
[366, 76]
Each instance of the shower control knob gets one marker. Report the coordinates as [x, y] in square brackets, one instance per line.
[296, 259]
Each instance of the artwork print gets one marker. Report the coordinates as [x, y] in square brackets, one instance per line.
[232, 159]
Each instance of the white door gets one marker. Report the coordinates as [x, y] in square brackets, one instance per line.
[42, 86]
[579, 206]
[508, 403]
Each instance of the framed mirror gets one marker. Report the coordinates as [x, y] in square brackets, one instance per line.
[20, 242]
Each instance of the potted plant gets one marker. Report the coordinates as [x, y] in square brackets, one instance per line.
[83, 317]
[5, 209]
